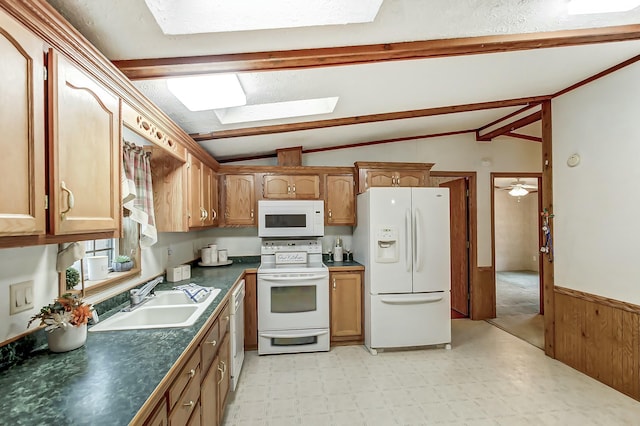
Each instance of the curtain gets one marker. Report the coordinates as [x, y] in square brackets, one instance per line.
[137, 193]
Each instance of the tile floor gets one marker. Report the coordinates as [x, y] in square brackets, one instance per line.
[489, 378]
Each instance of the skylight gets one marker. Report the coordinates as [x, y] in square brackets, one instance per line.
[272, 111]
[209, 16]
[207, 92]
[580, 7]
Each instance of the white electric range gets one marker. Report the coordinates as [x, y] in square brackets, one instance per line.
[293, 297]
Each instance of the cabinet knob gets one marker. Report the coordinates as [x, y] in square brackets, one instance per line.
[288, 189]
[192, 372]
[189, 404]
[330, 214]
[294, 188]
[334, 283]
[221, 374]
[212, 343]
[226, 318]
[251, 213]
[224, 367]
[214, 214]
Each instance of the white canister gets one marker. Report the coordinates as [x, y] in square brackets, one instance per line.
[214, 253]
[223, 255]
[98, 267]
[206, 255]
[186, 272]
[174, 274]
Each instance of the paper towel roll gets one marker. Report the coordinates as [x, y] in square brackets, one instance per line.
[206, 255]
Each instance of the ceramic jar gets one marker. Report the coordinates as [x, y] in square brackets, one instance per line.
[64, 339]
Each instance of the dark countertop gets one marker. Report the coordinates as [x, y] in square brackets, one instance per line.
[106, 381]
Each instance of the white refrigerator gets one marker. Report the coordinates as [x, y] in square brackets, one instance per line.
[402, 239]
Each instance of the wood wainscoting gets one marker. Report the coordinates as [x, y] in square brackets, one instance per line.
[599, 337]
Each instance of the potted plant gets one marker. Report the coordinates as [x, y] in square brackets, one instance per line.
[122, 263]
[66, 322]
[72, 278]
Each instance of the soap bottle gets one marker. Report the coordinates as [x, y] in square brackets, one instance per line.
[337, 250]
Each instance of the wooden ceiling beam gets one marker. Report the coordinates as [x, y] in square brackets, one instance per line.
[507, 128]
[362, 119]
[523, 136]
[142, 69]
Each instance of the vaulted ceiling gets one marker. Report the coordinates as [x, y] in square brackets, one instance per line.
[419, 69]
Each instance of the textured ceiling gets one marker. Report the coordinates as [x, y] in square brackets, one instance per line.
[125, 29]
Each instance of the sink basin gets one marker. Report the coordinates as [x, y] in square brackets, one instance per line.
[164, 310]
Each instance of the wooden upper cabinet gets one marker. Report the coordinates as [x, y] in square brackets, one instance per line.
[84, 146]
[203, 194]
[195, 212]
[301, 187]
[170, 193]
[22, 200]
[239, 200]
[340, 206]
[372, 174]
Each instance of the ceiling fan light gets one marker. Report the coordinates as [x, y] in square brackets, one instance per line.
[518, 191]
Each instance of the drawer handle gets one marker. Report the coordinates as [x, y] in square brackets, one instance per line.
[189, 404]
[212, 343]
[251, 213]
[226, 318]
[224, 367]
[334, 283]
[192, 372]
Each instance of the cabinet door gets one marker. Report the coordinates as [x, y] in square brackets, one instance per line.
[85, 146]
[223, 386]
[250, 312]
[209, 394]
[196, 211]
[340, 200]
[411, 179]
[346, 306]
[207, 196]
[22, 199]
[305, 187]
[276, 186]
[159, 415]
[380, 178]
[239, 200]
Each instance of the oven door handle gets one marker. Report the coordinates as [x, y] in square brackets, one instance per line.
[294, 336]
[298, 278]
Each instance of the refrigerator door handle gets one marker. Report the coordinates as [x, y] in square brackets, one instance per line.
[417, 229]
[407, 235]
[427, 298]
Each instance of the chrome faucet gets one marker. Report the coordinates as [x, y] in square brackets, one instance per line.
[137, 296]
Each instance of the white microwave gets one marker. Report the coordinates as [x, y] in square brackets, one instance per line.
[290, 218]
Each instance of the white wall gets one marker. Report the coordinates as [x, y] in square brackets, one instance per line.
[451, 153]
[597, 203]
[39, 264]
[516, 225]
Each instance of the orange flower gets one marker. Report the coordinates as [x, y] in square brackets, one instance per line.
[81, 315]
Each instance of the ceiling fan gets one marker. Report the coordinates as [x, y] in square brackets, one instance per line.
[518, 188]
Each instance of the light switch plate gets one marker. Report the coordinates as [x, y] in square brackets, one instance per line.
[20, 297]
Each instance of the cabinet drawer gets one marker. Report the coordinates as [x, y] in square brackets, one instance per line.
[209, 346]
[187, 403]
[189, 375]
[195, 416]
[223, 320]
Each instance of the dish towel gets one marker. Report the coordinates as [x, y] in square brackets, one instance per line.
[194, 292]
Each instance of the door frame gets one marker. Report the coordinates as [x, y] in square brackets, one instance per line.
[538, 176]
[475, 293]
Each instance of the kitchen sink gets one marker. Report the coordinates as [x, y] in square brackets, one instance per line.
[164, 310]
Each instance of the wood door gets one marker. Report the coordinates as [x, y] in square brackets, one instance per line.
[85, 147]
[215, 199]
[209, 394]
[22, 200]
[250, 312]
[240, 200]
[459, 250]
[305, 187]
[170, 199]
[276, 186]
[159, 415]
[414, 179]
[195, 190]
[340, 200]
[346, 305]
[380, 178]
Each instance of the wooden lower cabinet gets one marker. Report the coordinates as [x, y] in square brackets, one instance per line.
[345, 298]
[250, 312]
[198, 393]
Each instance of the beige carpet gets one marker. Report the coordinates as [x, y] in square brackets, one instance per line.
[528, 327]
[518, 306]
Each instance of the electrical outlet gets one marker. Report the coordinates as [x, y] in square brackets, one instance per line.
[535, 258]
[169, 251]
[20, 297]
